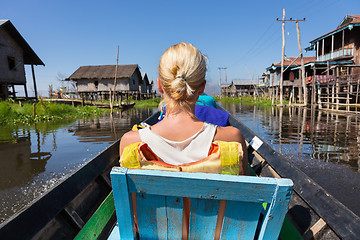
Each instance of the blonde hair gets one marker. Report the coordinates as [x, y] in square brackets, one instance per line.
[182, 70]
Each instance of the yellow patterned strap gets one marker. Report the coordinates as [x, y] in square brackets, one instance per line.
[130, 157]
[137, 127]
[229, 158]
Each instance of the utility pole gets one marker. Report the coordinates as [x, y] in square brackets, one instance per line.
[303, 81]
[220, 82]
[282, 58]
[224, 68]
[226, 89]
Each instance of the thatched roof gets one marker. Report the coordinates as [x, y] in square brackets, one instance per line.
[104, 72]
[30, 56]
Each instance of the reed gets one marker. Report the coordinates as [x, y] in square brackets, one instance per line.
[258, 101]
[147, 103]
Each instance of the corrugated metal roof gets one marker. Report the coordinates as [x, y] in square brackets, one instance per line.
[30, 56]
[348, 20]
[103, 72]
[246, 81]
[289, 61]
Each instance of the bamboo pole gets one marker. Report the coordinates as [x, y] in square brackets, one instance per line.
[113, 94]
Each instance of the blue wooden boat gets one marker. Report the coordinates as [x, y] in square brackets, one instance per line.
[82, 205]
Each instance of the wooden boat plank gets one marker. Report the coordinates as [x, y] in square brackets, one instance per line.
[52, 203]
[94, 227]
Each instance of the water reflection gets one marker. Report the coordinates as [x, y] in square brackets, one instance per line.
[323, 144]
[36, 157]
[327, 136]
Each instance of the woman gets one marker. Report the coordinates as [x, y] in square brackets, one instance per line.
[181, 141]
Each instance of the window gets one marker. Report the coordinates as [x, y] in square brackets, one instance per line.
[12, 63]
[96, 84]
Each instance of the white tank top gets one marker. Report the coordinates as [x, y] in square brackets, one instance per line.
[190, 150]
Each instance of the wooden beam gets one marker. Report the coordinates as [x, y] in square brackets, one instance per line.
[34, 80]
[26, 93]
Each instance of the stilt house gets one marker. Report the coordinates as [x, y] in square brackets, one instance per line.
[336, 71]
[146, 85]
[241, 87]
[291, 76]
[15, 52]
[97, 82]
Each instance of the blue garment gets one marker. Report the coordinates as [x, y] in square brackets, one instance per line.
[207, 114]
[212, 115]
[206, 100]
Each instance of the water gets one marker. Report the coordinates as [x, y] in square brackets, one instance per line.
[324, 145]
[36, 157]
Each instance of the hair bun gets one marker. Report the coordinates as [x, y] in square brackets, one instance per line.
[181, 77]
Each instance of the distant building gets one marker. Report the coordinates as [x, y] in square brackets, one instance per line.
[95, 82]
[291, 75]
[146, 85]
[15, 52]
[239, 87]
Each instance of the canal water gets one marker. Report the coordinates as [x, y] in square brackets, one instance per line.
[325, 145]
[34, 158]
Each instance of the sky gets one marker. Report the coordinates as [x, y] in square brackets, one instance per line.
[243, 36]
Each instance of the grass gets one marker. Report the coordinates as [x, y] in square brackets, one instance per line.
[259, 101]
[147, 103]
[15, 113]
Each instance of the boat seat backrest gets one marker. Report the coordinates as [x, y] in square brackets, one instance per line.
[160, 204]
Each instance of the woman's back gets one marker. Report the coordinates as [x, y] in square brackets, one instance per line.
[181, 80]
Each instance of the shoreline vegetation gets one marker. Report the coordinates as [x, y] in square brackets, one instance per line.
[248, 100]
[25, 113]
[147, 103]
[12, 112]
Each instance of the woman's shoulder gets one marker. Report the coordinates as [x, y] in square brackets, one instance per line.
[228, 134]
[129, 138]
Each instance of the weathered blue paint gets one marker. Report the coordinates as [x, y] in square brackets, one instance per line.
[275, 213]
[214, 186]
[240, 220]
[152, 220]
[203, 216]
[123, 203]
[245, 196]
[174, 212]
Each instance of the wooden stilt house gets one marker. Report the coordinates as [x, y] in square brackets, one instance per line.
[15, 52]
[97, 82]
[146, 86]
[291, 76]
[335, 74]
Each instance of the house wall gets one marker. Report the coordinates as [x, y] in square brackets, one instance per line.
[144, 87]
[134, 81]
[103, 85]
[9, 48]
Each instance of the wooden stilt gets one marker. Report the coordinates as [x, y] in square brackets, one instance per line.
[34, 80]
[26, 93]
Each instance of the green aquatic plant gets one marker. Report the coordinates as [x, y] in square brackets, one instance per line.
[147, 103]
[249, 100]
[15, 113]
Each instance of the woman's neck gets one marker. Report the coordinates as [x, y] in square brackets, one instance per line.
[181, 114]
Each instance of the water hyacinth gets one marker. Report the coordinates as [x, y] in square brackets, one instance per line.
[15, 113]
